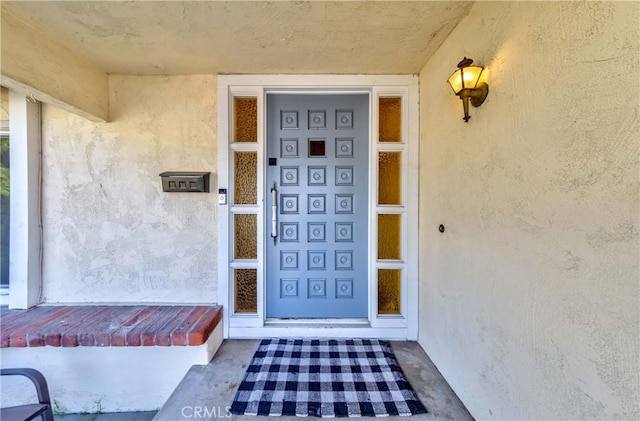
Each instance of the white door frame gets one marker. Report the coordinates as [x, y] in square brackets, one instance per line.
[402, 326]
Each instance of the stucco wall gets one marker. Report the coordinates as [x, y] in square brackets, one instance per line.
[110, 233]
[529, 300]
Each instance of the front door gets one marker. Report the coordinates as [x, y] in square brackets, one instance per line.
[317, 191]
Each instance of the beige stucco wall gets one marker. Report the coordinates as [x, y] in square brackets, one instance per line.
[110, 233]
[529, 301]
[32, 63]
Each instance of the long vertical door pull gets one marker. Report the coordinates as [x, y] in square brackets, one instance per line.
[274, 213]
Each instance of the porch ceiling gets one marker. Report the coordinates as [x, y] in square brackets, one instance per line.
[192, 37]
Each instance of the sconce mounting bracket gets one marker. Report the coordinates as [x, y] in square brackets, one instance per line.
[479, 94]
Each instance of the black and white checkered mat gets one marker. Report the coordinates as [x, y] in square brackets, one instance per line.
[325, 378]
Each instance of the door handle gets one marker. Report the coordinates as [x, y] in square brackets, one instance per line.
[274, 213]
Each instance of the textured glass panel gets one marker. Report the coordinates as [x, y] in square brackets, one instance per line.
[246, 178]
[246, 286]
[388, 291]
[390, 119]
[389, 236]
[245, 118]
[389, 178]
[246, 236]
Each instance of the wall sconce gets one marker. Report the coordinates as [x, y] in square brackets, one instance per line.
[464, 83]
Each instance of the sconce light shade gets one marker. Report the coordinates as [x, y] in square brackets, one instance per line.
[466, 84]
[465, 78]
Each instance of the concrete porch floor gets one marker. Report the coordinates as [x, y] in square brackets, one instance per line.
[213, 386]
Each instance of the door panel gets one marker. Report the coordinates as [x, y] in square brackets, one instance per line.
[318, 152]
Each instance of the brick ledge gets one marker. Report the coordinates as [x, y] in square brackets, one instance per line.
[108, 325]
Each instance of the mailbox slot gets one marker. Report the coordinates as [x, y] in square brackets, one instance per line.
[185, 182]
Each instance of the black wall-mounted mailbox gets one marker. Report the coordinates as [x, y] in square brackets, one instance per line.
[185, 181]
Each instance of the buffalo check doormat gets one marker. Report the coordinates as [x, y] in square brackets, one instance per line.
[327, 379]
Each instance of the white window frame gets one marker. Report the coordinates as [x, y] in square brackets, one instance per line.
[25, 254]
[402, 326]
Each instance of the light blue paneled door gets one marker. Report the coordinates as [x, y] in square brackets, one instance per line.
[317, 205]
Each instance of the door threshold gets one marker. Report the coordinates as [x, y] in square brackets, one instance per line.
[326, 323]
[315, 330]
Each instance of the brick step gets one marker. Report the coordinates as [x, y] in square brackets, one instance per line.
[105, 325]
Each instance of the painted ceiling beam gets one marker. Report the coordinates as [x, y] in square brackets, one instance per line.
[33, 64]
